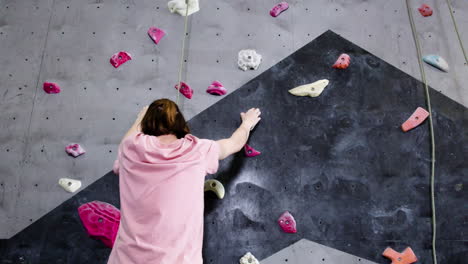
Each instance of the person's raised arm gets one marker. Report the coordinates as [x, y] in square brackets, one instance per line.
[136, 126]
[238, 139]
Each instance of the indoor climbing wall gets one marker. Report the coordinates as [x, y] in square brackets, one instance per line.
[70, 43]
[354, 182]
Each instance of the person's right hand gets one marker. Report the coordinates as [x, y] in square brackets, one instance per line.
[251, 118]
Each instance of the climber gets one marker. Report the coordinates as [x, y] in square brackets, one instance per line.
[162, 170]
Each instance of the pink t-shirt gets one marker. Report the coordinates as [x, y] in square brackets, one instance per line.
[161, 197]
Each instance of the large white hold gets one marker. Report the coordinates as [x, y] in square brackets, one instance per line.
[180, 7]
[69, 185]
[312, 89]
[249, 59]
[216, 187]
[248, 258]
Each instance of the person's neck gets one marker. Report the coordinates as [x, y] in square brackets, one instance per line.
[167, 139]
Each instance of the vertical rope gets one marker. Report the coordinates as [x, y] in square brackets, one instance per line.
[456, 31]
[431, 126]
[182, 53]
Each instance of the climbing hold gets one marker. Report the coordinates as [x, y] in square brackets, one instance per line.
[185, 90]
[101, 220]
[312, 89]
[278, 9]
[415, 119]
[437, 62]
[251, 152]
[120, 58]
[51, 88]
[287, 223]
[156, 34]
[425, 10]
[216, 187]
[216, 88]
[342, 62]
[74, 150]
[180, 7]
[248, 258]
[249, 59]
[406, 257]
[69, 185]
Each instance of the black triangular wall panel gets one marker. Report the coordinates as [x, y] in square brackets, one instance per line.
[339, 163]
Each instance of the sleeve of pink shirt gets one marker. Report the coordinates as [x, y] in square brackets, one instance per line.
[211, 156]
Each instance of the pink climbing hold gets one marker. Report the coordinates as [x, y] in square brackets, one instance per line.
[185, 90]
[425, 10]
[216, 88]
[51, 88]
[156, 34]
[415, 119]
[342, 62]
[251, 152]
[278, 9]
[74, 150]
[287, 223]
[120, 58]
[101, 221]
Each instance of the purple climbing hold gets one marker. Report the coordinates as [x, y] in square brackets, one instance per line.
[278, 9]
[101, 220]
[216, 88]
[120, 58]
[156, 34]
[251, 152]
[287, 223]
[185, 90]
[51, 88]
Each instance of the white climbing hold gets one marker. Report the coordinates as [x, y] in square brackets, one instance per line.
[312, 89]
[69, 185]
[249, 59]
[180, 7]
[436, 61]
[216, 187]
[248, 258]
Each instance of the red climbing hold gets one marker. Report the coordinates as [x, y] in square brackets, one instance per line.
[278, 9]
[425, 10]
[120, 58]
[185, 90]
[406, 257]
[101, 220]
[251, 152]
[75, 150]
[415, 119]
[342, 62]
[51, 88]
[156, 34]
[216, 88]
[287, 223]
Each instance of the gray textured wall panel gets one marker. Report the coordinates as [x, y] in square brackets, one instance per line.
[307, 252]
[83, 35]
[23, 29]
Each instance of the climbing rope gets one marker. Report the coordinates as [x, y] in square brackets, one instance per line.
[431, 126]
[456, 31]
[182, 53]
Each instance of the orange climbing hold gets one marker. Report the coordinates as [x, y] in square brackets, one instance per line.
[405, 257]
[415, 119]
[342, 62]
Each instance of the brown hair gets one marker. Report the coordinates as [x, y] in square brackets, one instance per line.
[163, 117]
